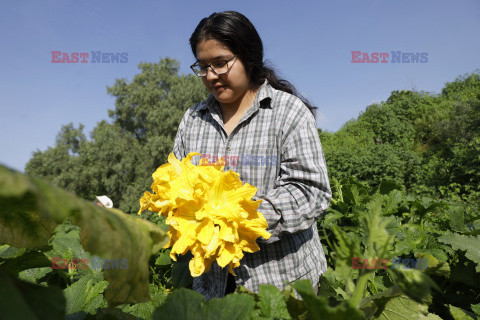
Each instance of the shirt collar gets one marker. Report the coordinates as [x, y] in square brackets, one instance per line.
[262, 99]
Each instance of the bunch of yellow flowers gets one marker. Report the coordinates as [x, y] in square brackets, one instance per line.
[210, 212]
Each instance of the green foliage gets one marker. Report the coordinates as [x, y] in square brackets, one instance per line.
[187, 304]
[428, 143]
[84, 296]
[271, 303]
[464, 87]
[465, 243]
[318, 307]
[34, 301]
[363, 222]
[30, 210]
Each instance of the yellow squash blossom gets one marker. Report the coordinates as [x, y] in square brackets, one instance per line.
[210, 212]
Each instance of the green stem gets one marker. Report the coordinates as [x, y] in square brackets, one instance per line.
[359, 290]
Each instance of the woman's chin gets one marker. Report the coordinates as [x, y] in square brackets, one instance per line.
[222, 97]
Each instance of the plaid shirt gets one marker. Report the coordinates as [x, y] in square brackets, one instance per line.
[276, 148]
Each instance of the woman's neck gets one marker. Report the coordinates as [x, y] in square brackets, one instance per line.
[239, 107]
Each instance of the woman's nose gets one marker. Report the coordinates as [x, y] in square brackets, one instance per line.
[211, 74]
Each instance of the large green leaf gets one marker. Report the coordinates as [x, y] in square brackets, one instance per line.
[388, 305]
[163, 258]
[66, 243]
[318, 307]
[34, 275]
[181, 304]
[476, 309]
[28, 260]
[272, 304]
[414, 283]
[85, 295]
[374, 305]
[404, 308]
[144, 310]
[460, 314]
[469, 244]
[30, 209]
[231, 307]
[435, 266]
[185, 304]
[33, 302]
[7, 252]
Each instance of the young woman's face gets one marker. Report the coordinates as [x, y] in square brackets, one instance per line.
[228, 88]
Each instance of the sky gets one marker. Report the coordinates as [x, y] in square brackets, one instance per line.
[309, 42]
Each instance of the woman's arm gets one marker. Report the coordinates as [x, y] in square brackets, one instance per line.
[302, 190]
[179, 146]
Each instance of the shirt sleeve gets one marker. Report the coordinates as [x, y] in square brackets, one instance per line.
[301, 191]
[179, 145]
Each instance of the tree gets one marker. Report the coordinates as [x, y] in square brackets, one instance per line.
[430, 143]
[120, 157]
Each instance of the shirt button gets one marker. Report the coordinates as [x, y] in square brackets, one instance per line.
[229, 149]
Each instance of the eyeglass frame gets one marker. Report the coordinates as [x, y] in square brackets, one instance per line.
[213, 69]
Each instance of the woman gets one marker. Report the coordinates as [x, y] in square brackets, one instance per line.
[267, 134]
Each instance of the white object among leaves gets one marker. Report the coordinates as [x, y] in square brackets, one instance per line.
[105, 201]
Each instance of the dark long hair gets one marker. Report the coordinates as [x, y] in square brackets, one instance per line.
[236, 32]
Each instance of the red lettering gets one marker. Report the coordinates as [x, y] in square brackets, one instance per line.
[355, 56]
[75, 57]
[384, 56]
[365, 264]
[234, 160]
[383, 263]
[84, 55]
[73, 264]
[374, 264]
[55, 264]
[55, 55]
[65, 58]
[223, 161]
[375, 57]
[365, 58]
[355, 263]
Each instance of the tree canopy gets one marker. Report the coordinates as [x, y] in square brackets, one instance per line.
[430, 143]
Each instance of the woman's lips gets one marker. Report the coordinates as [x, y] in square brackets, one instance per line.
[219, 87]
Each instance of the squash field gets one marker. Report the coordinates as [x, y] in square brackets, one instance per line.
[390, 256]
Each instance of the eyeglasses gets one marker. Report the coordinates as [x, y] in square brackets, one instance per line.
[219, 67]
